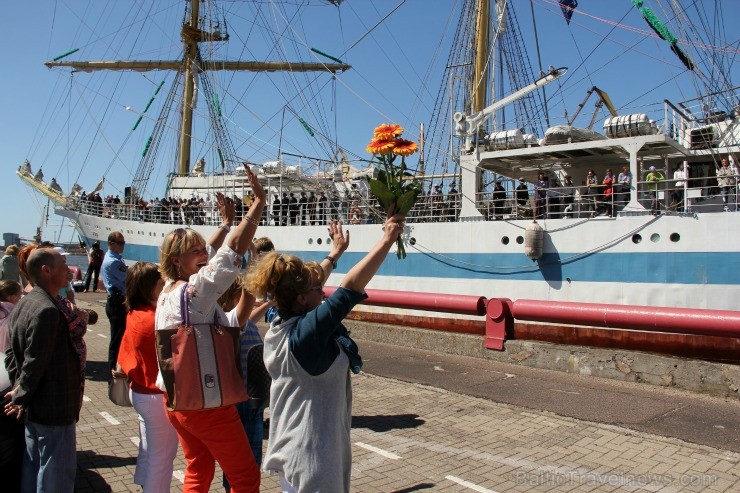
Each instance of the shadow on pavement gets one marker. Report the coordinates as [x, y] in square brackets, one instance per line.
[416, 487]
[88, 478]
[384, 422]
[97, 371]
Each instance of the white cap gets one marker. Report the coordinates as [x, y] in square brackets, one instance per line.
[651, 168]
[60, 251]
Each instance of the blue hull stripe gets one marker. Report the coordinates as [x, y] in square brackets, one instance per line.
[661, 268]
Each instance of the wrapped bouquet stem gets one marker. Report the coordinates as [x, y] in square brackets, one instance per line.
[394, 187]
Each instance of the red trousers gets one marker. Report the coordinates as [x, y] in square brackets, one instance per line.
[215, 435]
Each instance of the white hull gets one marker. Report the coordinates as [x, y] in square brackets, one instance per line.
[585, 260]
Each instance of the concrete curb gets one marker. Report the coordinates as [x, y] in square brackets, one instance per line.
[716, 379]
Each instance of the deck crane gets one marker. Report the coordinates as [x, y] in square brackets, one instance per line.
[467, 125]
[603, 100]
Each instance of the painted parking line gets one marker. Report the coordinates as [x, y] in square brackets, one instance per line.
[109, 418]
[469, 485]
[103, 336]
[380, 451]
[135, 440]
[566, 391]
[179, 475]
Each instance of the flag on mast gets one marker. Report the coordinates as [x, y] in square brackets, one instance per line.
[568, 6]
[99, 187]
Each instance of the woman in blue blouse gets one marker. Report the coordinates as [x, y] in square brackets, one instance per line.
[309, 354]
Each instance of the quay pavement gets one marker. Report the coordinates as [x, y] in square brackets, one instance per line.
[409, 436]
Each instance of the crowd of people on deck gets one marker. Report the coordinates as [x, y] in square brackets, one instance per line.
[229, 281]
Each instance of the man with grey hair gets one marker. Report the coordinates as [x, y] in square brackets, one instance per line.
[46, 365]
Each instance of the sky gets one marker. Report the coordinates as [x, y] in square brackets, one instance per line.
[397, 70]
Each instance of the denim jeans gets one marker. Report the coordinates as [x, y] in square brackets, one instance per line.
[253, 422]
[50, 461]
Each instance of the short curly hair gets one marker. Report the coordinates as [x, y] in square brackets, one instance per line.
[175, 244]
[12, 250]
[283, 277]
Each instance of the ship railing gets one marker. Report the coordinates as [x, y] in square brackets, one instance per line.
[692, 195]
[552, 202]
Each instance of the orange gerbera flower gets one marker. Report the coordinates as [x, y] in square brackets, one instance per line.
[404, 147]
[387, 132]
[380, 146]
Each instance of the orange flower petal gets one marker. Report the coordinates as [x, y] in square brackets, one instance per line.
[404, 147]
[387, 132]
[380, 146]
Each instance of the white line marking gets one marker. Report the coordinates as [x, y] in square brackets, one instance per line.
[384, 453]
[85, 398]
[566, 391]
[103, 336]
[109, 418]
[468, 484]
[179, 475]
[90, 330]
[135, 441]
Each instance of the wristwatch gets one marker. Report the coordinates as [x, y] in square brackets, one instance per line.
[332, 260]
[225, 227]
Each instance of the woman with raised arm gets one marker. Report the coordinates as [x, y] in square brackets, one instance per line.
[309, 354]
[213, 434]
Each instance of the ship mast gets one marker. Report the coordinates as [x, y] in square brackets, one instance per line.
[191, 52]
[480, 71]
[192, 65]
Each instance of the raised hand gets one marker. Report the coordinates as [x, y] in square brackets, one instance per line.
[339, 240]
[225, 208]
[254, 183]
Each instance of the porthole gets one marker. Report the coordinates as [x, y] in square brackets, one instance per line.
[318, 242]
[520, 239]
[655, 237]
[636, 238]
[328, 241]
[675, 237]
[505, 240]
[412, 241]
[310, 241]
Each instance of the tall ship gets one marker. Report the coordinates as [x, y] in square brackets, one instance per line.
[567, 152]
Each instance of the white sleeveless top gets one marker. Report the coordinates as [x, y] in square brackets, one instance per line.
[310, 418]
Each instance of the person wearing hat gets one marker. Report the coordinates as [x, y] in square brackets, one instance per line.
[521, 193]
[499, 201]
[95, 260]
[653, 178]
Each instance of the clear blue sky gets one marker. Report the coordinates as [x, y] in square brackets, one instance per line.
[384, 84]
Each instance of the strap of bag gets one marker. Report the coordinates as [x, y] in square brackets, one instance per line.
[185, 307]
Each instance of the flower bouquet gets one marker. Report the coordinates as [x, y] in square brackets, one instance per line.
[394, 187]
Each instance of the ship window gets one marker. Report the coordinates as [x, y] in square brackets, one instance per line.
[675, 237]
[655, 237]
[636, 239]
[310, 241]
[505, 240]
[328, 241]
[318, 241]
[412, 241]
[520, 239]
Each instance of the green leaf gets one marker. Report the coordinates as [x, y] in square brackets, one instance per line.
[380, 190]
[406, 201]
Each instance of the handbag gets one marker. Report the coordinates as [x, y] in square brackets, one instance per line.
[118, 390]
[199, 363]
[258, 379]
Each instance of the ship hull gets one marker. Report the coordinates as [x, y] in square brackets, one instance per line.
[668, 260]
